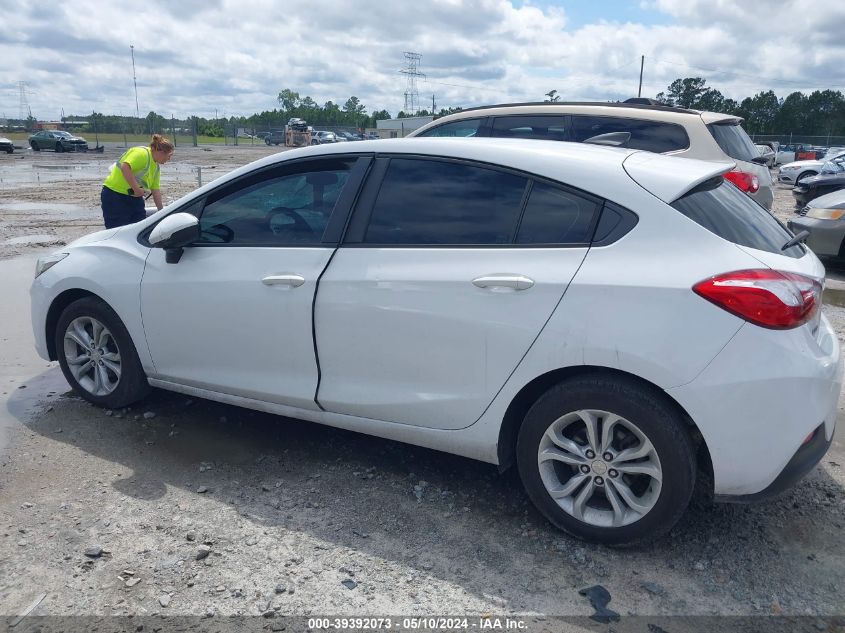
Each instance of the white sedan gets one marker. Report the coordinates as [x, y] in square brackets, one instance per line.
[791, 173]
[610, 321]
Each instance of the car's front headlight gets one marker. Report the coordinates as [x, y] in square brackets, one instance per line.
[825, 214]
[46, 262]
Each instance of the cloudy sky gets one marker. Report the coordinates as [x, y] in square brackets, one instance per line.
[226, 57]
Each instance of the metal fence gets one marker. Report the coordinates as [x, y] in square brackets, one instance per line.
[802, 139]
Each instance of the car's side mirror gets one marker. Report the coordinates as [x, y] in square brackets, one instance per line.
[173, 233]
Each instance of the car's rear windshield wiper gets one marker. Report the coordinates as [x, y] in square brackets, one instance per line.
[803, 235]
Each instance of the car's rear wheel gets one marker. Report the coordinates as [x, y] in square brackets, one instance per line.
[607, 459]
[34, 146]
[97, 355]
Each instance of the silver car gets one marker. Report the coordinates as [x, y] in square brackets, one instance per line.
[824, 219]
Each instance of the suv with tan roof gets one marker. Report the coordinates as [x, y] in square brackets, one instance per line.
[632, 124]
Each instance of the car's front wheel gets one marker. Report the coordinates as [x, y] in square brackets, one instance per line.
[59, 148]
[607, 459]
[97, 355]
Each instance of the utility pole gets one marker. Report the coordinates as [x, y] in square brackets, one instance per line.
[433, 105]
[135, 82]
[640, 89]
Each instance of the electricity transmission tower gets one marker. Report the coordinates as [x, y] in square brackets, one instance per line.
[23, 108]
[412, 96]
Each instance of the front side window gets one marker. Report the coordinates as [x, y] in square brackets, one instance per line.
[276, 209]
[651, 136]
[438, 202]
[459, 129]
[549, 128]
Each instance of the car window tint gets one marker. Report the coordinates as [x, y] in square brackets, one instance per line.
[464, 129]
[276, 210]
[733, 140]
[652, 136]
[437, 202]
[721, 208]
[554, 216]
[550, 128]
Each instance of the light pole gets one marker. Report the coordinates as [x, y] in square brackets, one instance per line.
[135, 82]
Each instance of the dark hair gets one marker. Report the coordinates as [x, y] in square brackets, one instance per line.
[161, 143]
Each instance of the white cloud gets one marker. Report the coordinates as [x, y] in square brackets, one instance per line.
[234, 56]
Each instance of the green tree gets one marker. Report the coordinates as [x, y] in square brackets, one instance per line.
[289, 99]
[553, 96]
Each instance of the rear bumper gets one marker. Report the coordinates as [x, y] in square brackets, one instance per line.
[804, 460]
[759, 399]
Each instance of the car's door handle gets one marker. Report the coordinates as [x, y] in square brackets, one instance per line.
[283, 280]
[514, 282]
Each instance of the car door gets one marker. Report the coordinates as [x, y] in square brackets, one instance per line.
[448, 272]
[234, 315]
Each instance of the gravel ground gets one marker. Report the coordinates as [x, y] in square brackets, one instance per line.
[190, 507]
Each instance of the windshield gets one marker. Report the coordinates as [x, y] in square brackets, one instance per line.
[833, 167]
[733, 140]
[62, 134]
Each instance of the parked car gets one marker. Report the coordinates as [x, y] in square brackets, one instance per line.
[831, 178]
[824, 219]
[275, 137]
[656, 128]
[767, 153]
[791, 173]
[6, 145]
[496, 299]
[320, 137]
[57, 140]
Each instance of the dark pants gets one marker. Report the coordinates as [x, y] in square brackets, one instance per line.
[120, 209]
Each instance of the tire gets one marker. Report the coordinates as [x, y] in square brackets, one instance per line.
[267, 141]
[10, 150]
[59, 148]
[121, 379]
[804, 175]
[34, 146]
[595, 501]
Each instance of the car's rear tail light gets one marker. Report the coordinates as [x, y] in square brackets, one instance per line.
[746, 181]
[769, 298]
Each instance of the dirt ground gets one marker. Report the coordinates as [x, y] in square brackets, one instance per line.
[189, 507]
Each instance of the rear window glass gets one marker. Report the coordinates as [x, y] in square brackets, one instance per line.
[460, 129]
[734, 141]
[721, 208]
[652, 136]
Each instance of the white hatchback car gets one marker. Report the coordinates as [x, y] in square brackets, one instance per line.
[610, 320]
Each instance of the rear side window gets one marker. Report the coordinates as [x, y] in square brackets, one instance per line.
[460, 129]
[438, 202]
[652, 136]
[721, 208]
[554, 216]
[549, 128]
[733, 140]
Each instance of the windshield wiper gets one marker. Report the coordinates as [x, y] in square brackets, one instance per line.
[803, 235]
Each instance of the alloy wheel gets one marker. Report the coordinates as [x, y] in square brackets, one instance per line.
[92, 356]
[600, 468]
